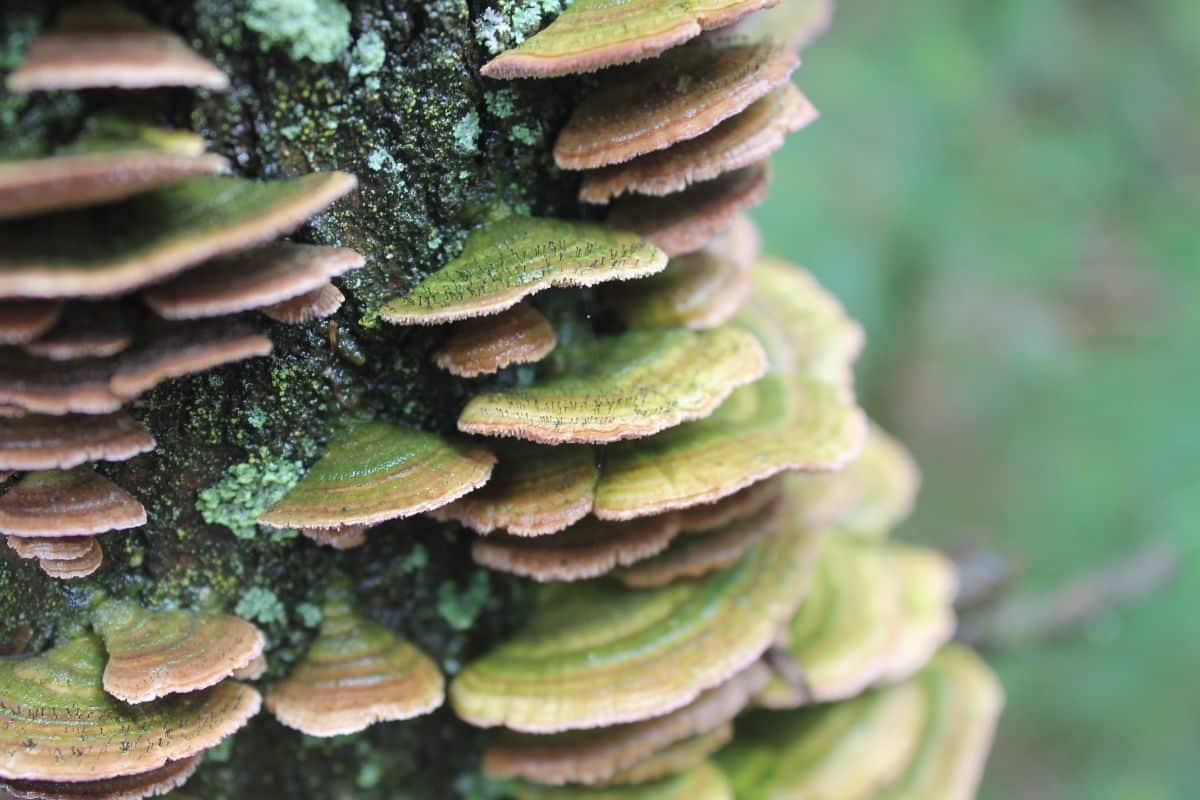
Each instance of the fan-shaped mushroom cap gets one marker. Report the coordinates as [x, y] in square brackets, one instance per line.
[930, 584]
[153, 783]
[678, 97]
[881, 483]
[699, 290]
[255, 669]
[593, 34]
[585, 550]
[740, 505]
[741, 140]
[676, 758]
[45, 387]
[702, 553]
[355, 674]
[261, 276]
[74, 567]
[85, 330]
[597, 755]
[317, 304]
[75, 502]
[47, 699]
[506, 261]
[741, 242]
[377, 471]
[186, 350]
[630, 385]
[536, 490]
[662, 647]
[686, 221]
[97, 45]
[520, 335]
[76, 180]
[123, 246]
[795, 23]
[56, 548]
[346, 537]
[155, 653]
[24, 320]
[703, 782]
[39, 442]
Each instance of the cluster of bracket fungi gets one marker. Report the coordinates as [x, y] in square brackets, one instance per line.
[703, 500]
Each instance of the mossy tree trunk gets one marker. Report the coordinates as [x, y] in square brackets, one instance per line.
[397, 100]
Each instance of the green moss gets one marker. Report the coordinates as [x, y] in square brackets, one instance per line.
[318, 30]
[310, 614]
[260, 605]
[461, 609]
[246, 490]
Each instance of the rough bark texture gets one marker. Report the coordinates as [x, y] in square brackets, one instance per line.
[436, 149]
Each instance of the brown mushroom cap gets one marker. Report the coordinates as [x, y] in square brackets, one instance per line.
[253, 670]
[486, 345]
[318, 304]
[40, 386]
[79, 567]
[739, 505]
[678, 97]
[186, 350]
[698, 290]
[68, 548]
[686, 221]
[676, 758]
[742, 140]
[263, 276]
[101, 45]
[75, 502]
[346, 537]
[85, 330]
[156, 782]
[38, 442]
[24, 320]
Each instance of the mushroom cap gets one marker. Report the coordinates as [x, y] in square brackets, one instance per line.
[153, 783]
[23, 321]
[741, 140]
[702, 553]
[676, 758]
[85, 330]
[506, 261]
[795, 23]
[676, 98]
[686, 221]
[154, 235]
[38, 442]
[484, 346]
[702, 782]
[155, 653]
[629, 385]
[56, 548]
[661, 648]
[597, 755]
[930, 584]
[378, 471]
[186, 350]
[585, 550]
[346, 537]
[262, 276]
[36, 385]
[698, 290]
[75, 567]
[737, 506]
[74, 502]
[355, 674]
[101, 45]
[320, 303]
[255, 669]
[536, 490]
[78, 180]
[49, 699]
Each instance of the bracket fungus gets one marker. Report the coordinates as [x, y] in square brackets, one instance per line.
[85, 330]
[740, 505]
[506, 261]
[702, 782]
[155, 653]
[23, 321]
[320, 303]
[795, 23]
[151, 783]
[675, 758]
[883, 481]
[484, 346]
[37, 442]
[698, 290]
[186, 350]
[376, 471]
[346, 537]
[64, 558]
[629, 385]
[355, 674]
[74, 502]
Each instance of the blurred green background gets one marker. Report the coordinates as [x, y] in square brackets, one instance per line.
[1007, 194]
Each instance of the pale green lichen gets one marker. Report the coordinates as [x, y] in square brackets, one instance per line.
[368, 55]
[260, 605]
[246, 490]
[318, 30]
[310, 614]
[461, 609]
[525, 134]
[510, 22]
[466, 132]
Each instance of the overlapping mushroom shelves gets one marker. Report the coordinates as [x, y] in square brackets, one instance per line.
[684, 472]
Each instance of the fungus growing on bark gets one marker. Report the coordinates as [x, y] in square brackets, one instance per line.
[155, 653]
[101, 45]
[346, 537]
[698, 290]
[536, 490]
[506, 261]
[930, 583]
[36, 385]
[37, 442]
[483, 346]
[75, 502]
[675, 758]
[628, 386]
[85, 330]
[703, 782]
[376, 471]
[795, 23]
[663, 647]
[149, 237]
[318, 304]
[740, 505]
[23, 321]
[594, 34]
[885, 480]
[262, 276]
[152, 783]
[186, 350]
[355, 674]
[65, 558]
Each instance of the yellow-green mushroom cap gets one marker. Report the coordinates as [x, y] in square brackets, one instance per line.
[930, 584]
[676, 758]
[58, 724]
[699, 290]
[740, 505]
[673, 99]
[629, 385]
[154, 235]
[594, 756]
[535, 490]
[155, 653]
[883, 480]
[702, 782]
[152, 783]
[75, 502]
[598, 654]
[38, 442]
[23, 321]
[376, 471]
[504, 262]
[355, 674]
[484, 346]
